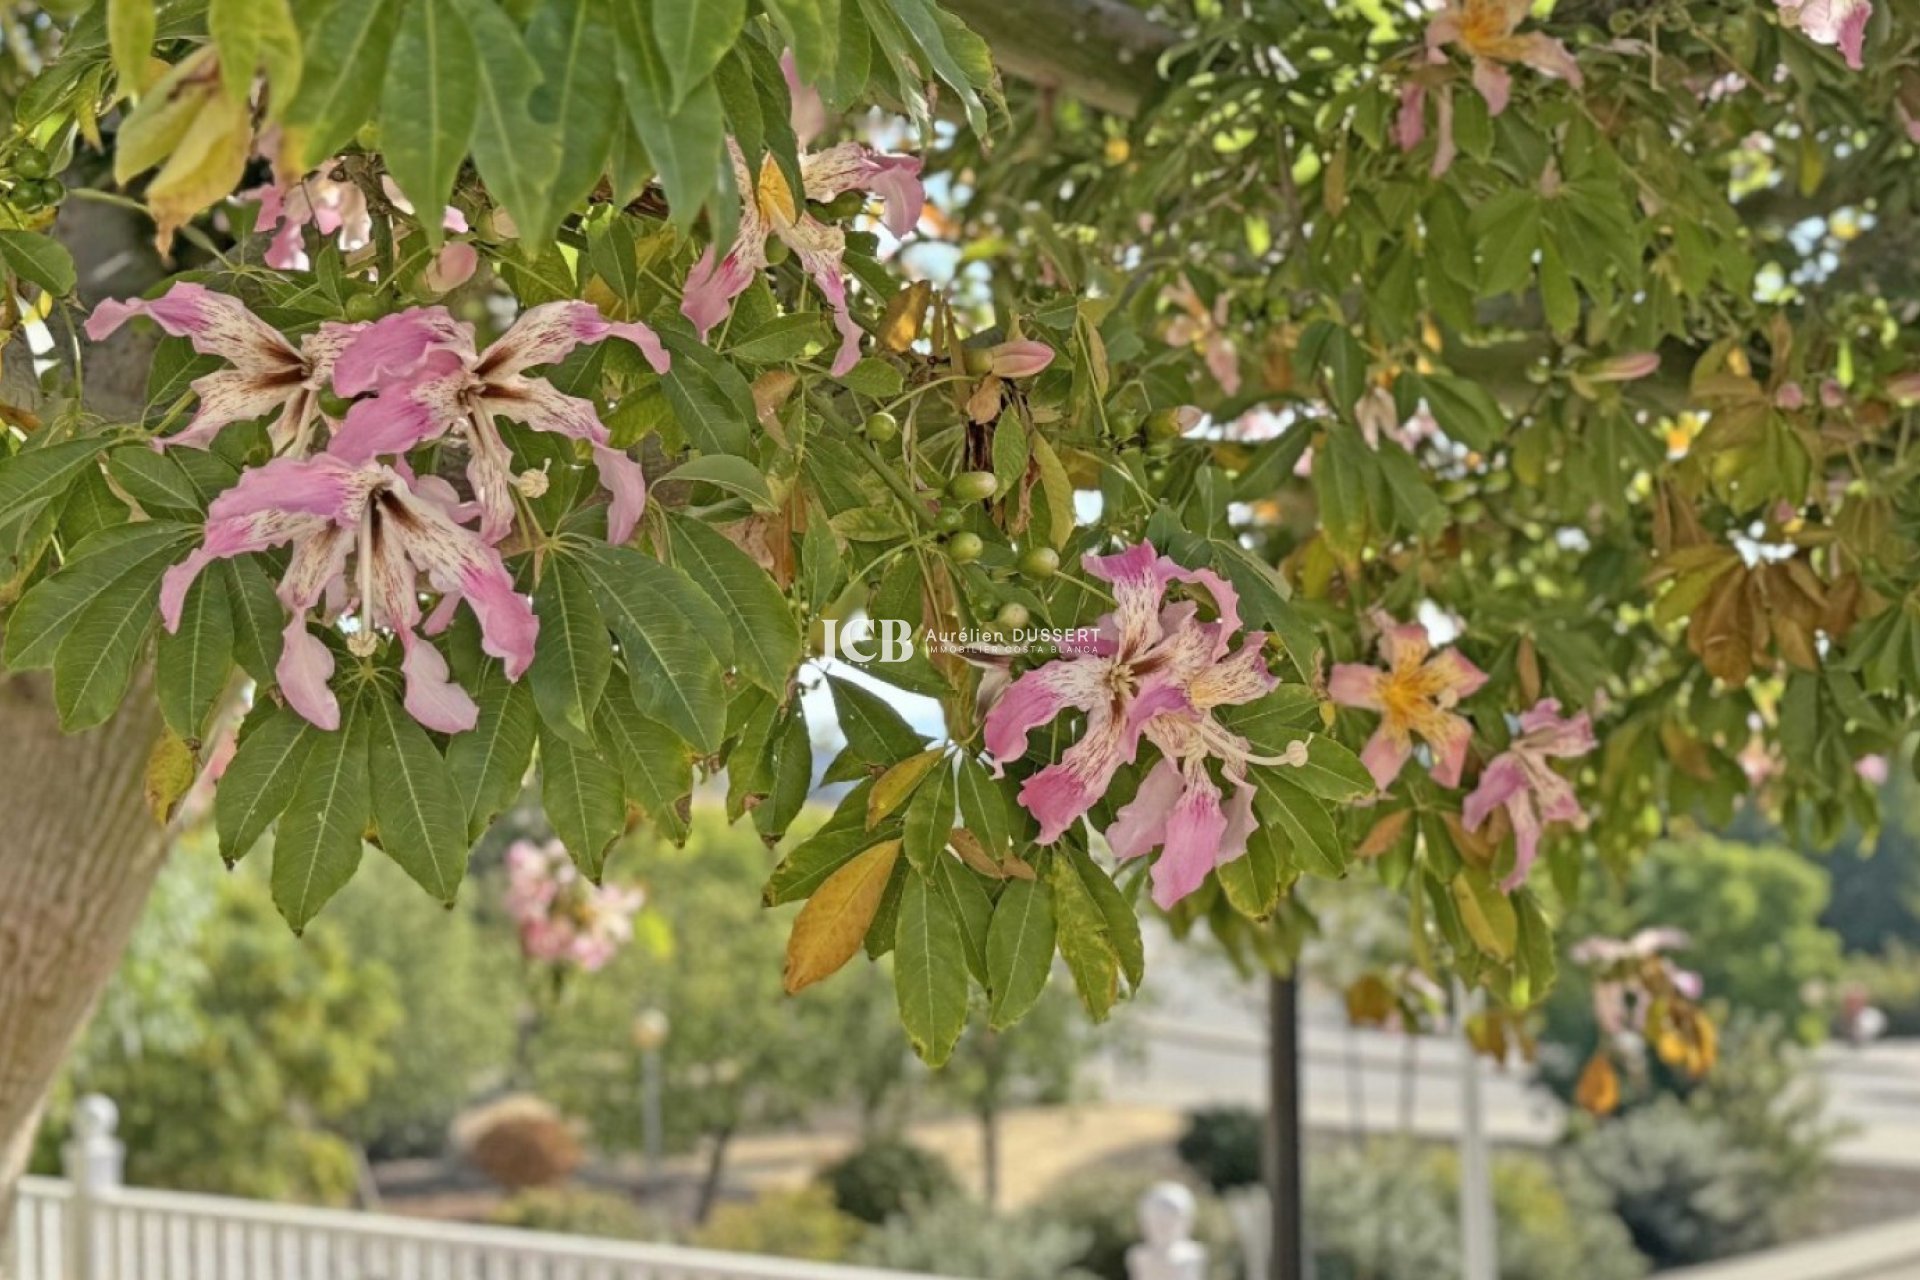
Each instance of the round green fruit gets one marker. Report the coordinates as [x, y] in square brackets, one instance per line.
[882, 427]
[965, 548]
[1040, 562]
[973, 486]
[1013, 615]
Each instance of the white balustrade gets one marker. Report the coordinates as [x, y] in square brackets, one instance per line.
[92, 1227]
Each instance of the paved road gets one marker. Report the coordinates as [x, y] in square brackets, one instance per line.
[1204, 1034]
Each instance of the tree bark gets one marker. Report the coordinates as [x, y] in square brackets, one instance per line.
[716, 1173]
[78, 848]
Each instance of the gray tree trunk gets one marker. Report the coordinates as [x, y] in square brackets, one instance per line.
[78, 847]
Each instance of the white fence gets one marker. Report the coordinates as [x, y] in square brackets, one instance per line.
[92, 1228]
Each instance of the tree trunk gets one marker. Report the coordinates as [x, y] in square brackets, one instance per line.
[990, 1155]
[716, 1173]
[78, 848]
[78, 854]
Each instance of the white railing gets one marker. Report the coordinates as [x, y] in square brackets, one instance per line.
[90, 1227]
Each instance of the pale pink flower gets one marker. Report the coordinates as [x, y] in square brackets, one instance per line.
[1626, 368]
[1155, 671]
[329, 205]
[1205, 330]
[1378, 416]
[561, 918]
[1841, 23]
[270, 375]
[399, 530]
[769, 206]
[1415, 693]
[1629, 972]
[1522, 781]
[431, 382]
[1486, 31]
[1872, 769]
[1022, 358]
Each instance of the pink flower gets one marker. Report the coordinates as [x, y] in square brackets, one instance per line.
[401, 534]
[1154, 670]
[270, 376]
[1522, 781]
[431, 382]
[1485, 31]
[331, 206]
[1630, 973]
[1415, 694]
[1205, 331]
[561, 918]
[1627, 368]
[1842, 23]
[1872, 769]
[1020, 359]
[768, 207]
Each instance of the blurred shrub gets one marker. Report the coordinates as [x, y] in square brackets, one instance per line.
[886, 1176]
[1891, 980]
[1102, 1206]
[789, 1224]
[582, 1212]
[519, 1142]
[1390, 1212]
[954, 1236]
[1739, 1163]
[1222, 1145]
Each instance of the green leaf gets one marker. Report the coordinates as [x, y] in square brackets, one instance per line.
[258, 616]
[94, 663]
[1252, 880]
[713, 402]
[684, 133]
[583, 799]
[1019, 951]
[261, 778]
[766, 638]
[574, 657]
[929, 820]
[47, 613]
[415, 804]
[874, 730]
[1465, 410]
[158, 481]
[1332, 771]
[789, 772]
[810, 28]
[130, 31]
[518, 157]
[316, 848]
[1305, 822]
[668, 629]
[843, 835]
[693, 36]
[573, 42]
[1081, 931]
[39, 474]
[488, 764]
[192, 665]
[654, 764]
[1010, 453]
[40, 259]
[345, 52]
[429, 104]
[1122, 921]
[929, 972]
[966, 892]
[725, 471]
[781, 339]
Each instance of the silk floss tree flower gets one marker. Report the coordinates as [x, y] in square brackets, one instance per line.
[1840, 23]
[1153, 670]
[400, 534]
[337, 207]
[1521, 780]
[269, 375]
[430, 382]
[770, 207]
[1487, 32]
[1414, 693]
[561, 917]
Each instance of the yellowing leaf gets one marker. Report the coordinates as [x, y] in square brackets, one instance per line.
[204, 168]
[831, 927]
[906, 312]
[1487, 913]
[899, 782]
[170, 773]
[1598, 1091]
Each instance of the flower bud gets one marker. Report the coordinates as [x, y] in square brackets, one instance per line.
[1022, 359]
[1789, 396]
[1627, 368]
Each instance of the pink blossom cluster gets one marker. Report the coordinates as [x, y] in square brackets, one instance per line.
[368, 535]
[562, 918]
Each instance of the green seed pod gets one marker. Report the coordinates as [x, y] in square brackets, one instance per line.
[965, 548]
[882, 427]
[1013, 615]
[1040, 562]
[973, 486]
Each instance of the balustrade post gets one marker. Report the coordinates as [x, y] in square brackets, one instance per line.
[95, 1161]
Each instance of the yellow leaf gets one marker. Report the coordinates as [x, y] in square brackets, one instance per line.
[1598, 1091]
[1487, 913]
[170, 773]
[975, 854]
[155, 129]
[899, 782]
[833, 924]
[1369, 1001]
[204, 169]
[906, 313]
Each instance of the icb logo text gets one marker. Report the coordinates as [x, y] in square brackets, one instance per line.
[882, 640]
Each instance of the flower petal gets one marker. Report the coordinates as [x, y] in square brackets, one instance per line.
[1385, 755]
[1354, 684]
[1503, 779]
[1036, 698]
[623, 479]
[394, 348]
[432, 697]
[547, 333]
[217, 324]
[306, 664]
[1449, 736]
[1195, 830]
[1141, 823]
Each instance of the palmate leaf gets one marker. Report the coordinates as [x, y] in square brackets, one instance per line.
[518, 156]
[685, 140]
[346, 50]
[655, 765]
[766, 638]
[46, 614]
[693, 36]
[429, 103]
[579, 94]
[583, 799]
[34, 475]
[260, 780]
[94, 664]
[1019, 950]
[192, 666]
[929, 971]
[416, 807]
[488, 764]
[316, 846]
[573, 660]
[668, 630]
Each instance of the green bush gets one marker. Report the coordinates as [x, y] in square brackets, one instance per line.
[1390, 1212]
[788, 1224]
[1738, 1163]
[885, 1176]
[1222, 1145]
[581, 1212]
[956, 1237]
[1103, 1206]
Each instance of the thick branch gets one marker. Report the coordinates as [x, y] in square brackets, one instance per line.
[1099, 51]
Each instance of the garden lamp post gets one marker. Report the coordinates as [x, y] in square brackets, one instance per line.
[1287, 1246]
[650, 1027]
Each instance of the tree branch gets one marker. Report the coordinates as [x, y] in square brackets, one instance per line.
[1099, 51]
